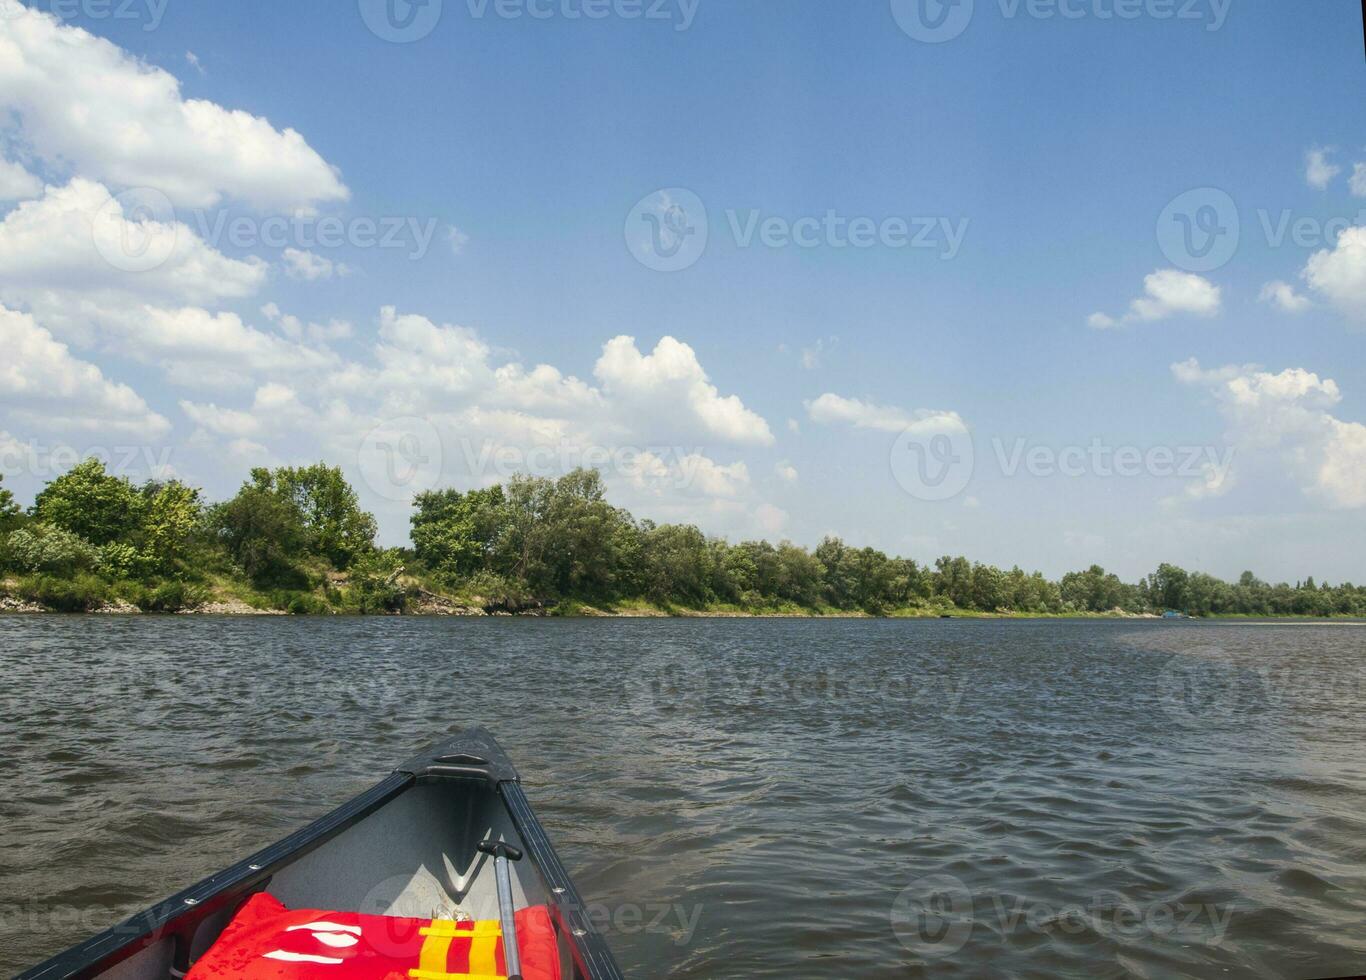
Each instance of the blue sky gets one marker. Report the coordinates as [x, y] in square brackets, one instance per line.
[1051, 144]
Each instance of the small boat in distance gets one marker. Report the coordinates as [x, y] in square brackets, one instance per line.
[447, 841]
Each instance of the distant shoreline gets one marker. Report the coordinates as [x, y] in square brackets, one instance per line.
[14, 607]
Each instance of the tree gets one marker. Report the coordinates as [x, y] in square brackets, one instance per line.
[88, 502]
[9, 510]
[561, 536]
[1167, 587]
[1093, 590]
[676, 564]
[455, 532]
[262, 532]
[953, 580]
[173, 514]
[335, 526]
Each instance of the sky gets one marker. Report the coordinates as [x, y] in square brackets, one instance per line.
[1046, 283]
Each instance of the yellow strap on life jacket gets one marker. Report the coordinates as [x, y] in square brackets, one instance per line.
[436, 948]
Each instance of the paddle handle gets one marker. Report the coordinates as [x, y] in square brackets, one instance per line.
[502, 872]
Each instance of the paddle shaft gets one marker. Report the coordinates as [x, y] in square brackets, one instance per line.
[502, 873]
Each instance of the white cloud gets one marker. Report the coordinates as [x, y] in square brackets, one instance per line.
[1166, 292]
[42, 383]
[1357, 182]
[786, 471]
[78, 240]
[1318, 171]
[16, 183]
[832, 409]
[310, 266]
[812, 356]
[669, 384]
[297, 330]
[1169, 291]
[221, 421]
[1339, 273]
[193, 61]
[1282, 295]
[126, 123]
[794, 426]
[692, 474]
[1284, 421]
[770, 519]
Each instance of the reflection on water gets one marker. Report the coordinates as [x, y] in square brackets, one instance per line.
[740, 798]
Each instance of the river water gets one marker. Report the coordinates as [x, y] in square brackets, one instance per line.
[739, 798]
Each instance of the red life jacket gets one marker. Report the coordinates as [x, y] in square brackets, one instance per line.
[266, 941]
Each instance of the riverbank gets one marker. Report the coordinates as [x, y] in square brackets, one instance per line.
[227, 596]
[222, 599]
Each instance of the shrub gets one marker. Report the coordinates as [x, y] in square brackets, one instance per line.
[125, 561]
[79, 594]
[375, 585]
[46, 549]
[169, 597]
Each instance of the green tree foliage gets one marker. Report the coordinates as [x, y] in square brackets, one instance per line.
[48, 549]
[335, 526]
[262, 532]
[1167, 587]
[561, 536]
[453, 532]
[376, 582]
[90, 503]
[173, 516]
[9, 509]
[534, 539]
[1094, 590]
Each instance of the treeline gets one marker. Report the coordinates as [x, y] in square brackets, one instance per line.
[296, 538]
